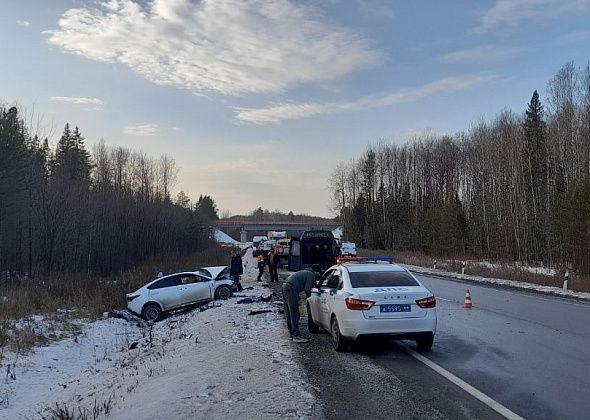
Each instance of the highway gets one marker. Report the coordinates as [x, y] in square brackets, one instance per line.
[528, 352]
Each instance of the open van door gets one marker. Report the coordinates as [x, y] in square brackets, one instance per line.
[295, 255]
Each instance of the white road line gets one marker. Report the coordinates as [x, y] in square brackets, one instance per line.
[494, 405]
[446, 300]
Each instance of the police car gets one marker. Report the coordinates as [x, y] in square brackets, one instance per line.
[361, 297]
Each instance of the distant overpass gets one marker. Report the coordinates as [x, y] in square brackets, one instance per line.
[246, 227]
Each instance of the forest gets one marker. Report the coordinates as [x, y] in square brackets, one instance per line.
[516, 188]
[69, 211]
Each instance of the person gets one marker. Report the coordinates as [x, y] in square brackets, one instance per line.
[273, 263]
[298, 285]
[260, 267]
[236, 269]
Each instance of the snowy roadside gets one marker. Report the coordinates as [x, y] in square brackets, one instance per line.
[218, 363]
[501, 282]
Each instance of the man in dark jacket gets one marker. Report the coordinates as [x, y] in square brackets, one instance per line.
[294, 287]
[236, 269]
[273, 263]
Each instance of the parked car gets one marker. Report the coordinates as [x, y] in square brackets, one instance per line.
[369, 298]
[179, 290]
[266, 246]
[348, 249]
[256, 244]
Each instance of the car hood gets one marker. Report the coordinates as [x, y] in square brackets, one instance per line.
[216, 272]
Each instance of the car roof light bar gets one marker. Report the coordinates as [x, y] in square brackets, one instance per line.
[364, 260]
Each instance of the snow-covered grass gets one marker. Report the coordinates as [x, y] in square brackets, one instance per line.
[219, 363]
[514, 272]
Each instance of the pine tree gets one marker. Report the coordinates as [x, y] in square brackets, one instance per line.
[536, 176]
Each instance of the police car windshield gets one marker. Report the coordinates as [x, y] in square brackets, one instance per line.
[381, 279]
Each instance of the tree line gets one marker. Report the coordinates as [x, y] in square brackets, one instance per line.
[66, 210]
[514, 188]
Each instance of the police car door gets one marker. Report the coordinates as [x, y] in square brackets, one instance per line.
[295, 255]
[316, 298]
[327, 291]
[331, 295]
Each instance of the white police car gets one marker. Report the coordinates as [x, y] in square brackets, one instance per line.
[372, 297]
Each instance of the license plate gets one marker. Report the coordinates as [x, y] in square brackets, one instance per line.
[395, 308]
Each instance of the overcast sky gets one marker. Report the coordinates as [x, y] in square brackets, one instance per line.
[257, 100]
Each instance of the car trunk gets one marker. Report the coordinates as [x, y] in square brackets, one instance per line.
[393, 302]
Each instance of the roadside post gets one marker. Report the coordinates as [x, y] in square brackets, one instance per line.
[566, 277]
[435, 264]
[463, 268]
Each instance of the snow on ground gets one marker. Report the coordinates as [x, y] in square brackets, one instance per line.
[219, 363]
[224, 238]
[501, 282]
[535, 270]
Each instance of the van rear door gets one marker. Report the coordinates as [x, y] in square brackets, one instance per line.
[295, 255]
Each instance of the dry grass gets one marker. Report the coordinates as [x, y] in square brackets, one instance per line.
[63, 296]
[508, 272]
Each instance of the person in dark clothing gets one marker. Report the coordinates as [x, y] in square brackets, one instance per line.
[297, 286]
[273, 263]
[236, 269]
[261, 264]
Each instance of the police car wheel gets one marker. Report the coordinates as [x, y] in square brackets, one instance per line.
[425, 341]
[337, 339]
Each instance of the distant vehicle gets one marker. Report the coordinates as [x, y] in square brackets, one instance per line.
[276, 235]
[314, 247]
[179, 290]
[266, 246]
[256, 241]
[369, 298]
[348, 249]
[282, 250]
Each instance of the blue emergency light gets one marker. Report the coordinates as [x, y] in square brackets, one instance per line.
[381, 259]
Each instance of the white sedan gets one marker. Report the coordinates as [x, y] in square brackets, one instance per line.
[179, 290]
[354, 300]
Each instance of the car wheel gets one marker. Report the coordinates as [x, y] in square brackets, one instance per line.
[151, 312]
[337, 339]
[223, 292]
[311, 325]
[424, 342]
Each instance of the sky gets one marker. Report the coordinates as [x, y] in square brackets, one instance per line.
[258, 100]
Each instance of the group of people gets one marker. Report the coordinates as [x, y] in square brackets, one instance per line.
[272, 260]
[297, 286]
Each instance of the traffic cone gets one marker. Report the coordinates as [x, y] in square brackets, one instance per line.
[468, 303]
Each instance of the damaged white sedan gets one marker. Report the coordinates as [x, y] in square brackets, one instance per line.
[179, 290]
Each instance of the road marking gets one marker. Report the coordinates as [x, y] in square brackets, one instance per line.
[494, 405]
[446, 300]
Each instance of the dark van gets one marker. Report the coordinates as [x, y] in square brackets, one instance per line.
[314, 247]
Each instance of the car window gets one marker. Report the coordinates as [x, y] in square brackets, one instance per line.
[382, 279]
[333, 281]
[324, 279]
[187, 279]
[169, 281]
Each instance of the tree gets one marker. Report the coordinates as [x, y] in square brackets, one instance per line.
[537, 174]
[206, 209]
[182, 200]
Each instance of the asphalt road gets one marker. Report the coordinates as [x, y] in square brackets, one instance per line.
[529, 352]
